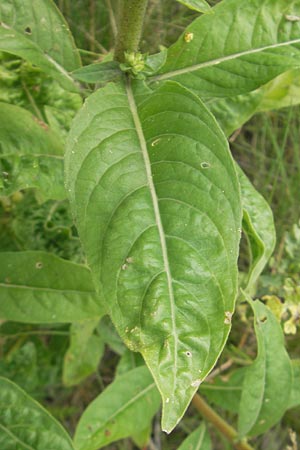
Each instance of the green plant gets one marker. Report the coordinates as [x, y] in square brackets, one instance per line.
[159, 205]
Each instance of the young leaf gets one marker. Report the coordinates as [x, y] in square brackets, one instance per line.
[155, 194]
[98, 72]
[24, 424]
[197, 5]
[38, 287]
[84, 353]
[198, 440]
[267, 382]
[258, 225]
[127, 405]
[15, 43]
[240, 47]
[41, 23]
[30, 154]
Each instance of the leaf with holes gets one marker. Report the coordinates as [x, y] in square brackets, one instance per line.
[38, 287]
[267, 382]
[24, 424]
[156, 198]
[258, 226]
[240, 47]
[198, 440]
[127, 405]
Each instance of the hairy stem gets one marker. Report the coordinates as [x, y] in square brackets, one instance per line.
[132, 15]
[220, 424]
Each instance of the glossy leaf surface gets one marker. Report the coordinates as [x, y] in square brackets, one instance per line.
[197, 5]
[267, 382]
[24, 424]
[258, 225]
[240, 47]
[84, 353]
[127, 405]
[38, 287]
[198, 440]
[30, 154]
[155, 194]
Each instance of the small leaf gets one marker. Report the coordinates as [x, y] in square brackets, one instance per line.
[258, 225]
[267, 382]
[197, 5]
[157, 204]
[84, 353]
[37, 287]
[198, 440]
[24, 424]
[127, 405]
[256, 44]
[98, 72]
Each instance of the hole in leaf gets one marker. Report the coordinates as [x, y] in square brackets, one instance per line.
[28, 30]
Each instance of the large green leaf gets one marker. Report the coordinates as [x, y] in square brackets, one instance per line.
[267, 382]
[126, 406]
[25, 425]
[198, 440]
[258, 225]
[41, 22]
[38, 287]
[157, 204]
[84, 353]
[30, 154]
[240, 47]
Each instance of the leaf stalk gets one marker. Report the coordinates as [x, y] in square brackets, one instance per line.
[220, 424]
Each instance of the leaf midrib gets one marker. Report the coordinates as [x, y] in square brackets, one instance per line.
[217, 61]
[143, 145]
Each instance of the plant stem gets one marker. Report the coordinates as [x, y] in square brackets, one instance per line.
[228, 431]
[132, 15]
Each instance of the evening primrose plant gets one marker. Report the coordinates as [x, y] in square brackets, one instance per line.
[159, 205]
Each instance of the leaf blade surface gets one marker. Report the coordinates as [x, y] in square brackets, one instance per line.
[143, 172]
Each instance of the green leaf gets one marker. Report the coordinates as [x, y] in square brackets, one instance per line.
[197, 5]
[282, 92]
[24, 424]
[128, 361]
[127, 405]
[256, 43]
[258, 226]
[17, 43]
[232, 112]
[295, 389]
[225, 392]
[141, 438]
[41, 22]
[98, 72]
[38, 287]
[267, 382]
[84, 353]
[31, 155]
[198, 440]
[157, 204]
